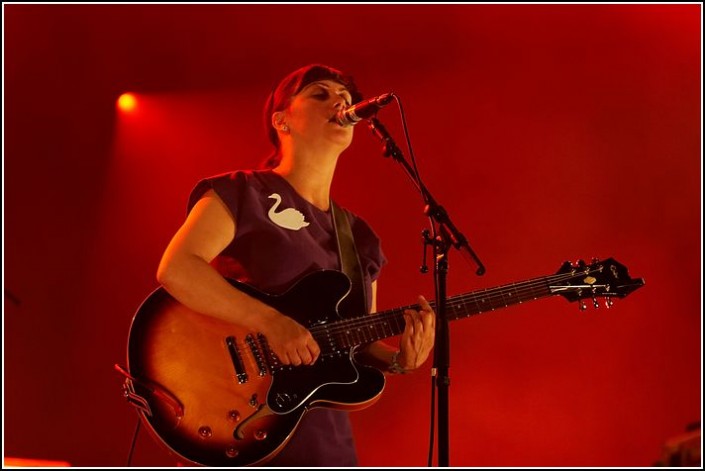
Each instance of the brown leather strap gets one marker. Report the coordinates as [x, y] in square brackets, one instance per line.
[355, 303]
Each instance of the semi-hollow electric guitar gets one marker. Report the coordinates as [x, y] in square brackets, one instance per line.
[215, 395]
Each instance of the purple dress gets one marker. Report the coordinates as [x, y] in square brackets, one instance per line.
[280, 237]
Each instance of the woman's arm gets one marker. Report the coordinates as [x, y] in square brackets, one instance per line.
[186, 273]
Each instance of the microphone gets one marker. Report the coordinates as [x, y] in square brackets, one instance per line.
[365, 109]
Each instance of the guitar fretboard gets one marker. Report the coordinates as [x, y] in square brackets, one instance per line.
[355, 331]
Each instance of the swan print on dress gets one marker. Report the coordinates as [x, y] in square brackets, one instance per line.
[288, 218]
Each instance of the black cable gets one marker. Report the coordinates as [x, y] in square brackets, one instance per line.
[134, 440]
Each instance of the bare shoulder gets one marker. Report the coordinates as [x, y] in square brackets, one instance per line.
[211, 205]
[209, 227]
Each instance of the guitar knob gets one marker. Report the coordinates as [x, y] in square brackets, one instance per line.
[231, 452]
[205, 431]
[582, 306]
[609, 302]
[595, 303]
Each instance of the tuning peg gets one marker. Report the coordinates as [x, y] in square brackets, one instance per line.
[609, 302]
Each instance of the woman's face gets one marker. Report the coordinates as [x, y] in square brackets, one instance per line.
[311, 114]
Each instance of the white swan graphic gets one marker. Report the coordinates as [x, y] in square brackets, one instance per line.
[288, 218]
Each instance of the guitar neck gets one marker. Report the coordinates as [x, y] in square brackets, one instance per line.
[356, 331]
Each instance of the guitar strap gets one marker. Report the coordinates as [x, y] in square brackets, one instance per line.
[355, 303]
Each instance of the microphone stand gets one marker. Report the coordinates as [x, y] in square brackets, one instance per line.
[449, 236]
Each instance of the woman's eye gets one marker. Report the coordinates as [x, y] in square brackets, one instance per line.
[321, 95]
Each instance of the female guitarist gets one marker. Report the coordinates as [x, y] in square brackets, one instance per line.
[286, 384]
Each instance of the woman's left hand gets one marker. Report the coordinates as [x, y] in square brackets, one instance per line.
[418, 337]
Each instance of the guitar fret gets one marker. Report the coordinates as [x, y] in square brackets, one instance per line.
[486, 301]
[372, 332]
[382, 328]
[399, 319]
[468, 311]
[383, 325]
[351, 335]
[341, 341]
[363, 334]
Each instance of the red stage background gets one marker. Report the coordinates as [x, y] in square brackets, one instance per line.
[549, 133]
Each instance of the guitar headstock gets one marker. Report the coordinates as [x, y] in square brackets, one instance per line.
[601, 279]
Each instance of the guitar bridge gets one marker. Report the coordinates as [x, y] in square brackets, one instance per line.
[236, 358]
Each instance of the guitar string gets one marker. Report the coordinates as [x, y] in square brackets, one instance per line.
[346, 328]
[488, 297]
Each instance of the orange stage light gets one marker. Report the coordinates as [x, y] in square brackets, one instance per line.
[127, 102]
[33, 463]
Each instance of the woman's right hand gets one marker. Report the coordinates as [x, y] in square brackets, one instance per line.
[291, 342]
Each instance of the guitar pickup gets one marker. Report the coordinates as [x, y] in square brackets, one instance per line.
[240, 372]
[268, 355]
[256, 354]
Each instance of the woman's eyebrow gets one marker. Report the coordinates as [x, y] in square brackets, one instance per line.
[328, 87]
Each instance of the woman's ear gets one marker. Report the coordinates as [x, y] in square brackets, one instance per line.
[277, 119]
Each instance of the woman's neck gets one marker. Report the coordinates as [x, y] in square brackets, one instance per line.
[311, 176]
